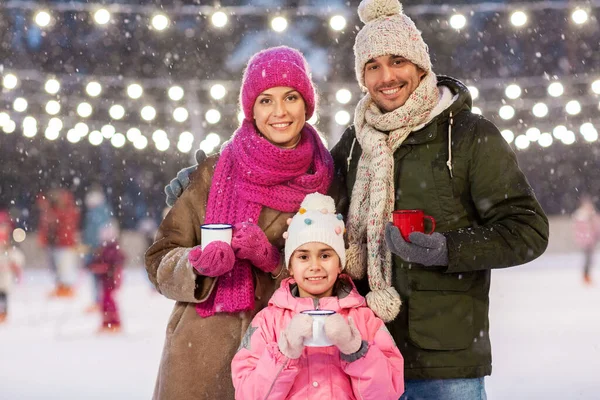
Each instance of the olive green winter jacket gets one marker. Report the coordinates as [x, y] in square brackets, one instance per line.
[485, 207]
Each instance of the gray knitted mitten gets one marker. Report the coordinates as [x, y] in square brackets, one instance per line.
[427, 250]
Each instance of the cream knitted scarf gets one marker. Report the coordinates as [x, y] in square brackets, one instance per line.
[373, 198]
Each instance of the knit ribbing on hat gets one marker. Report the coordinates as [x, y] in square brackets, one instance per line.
[316, 221]
[387, 31]
[277, 66]
[373, 196]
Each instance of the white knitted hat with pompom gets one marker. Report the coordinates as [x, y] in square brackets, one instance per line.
[316, 221]
[387, 31]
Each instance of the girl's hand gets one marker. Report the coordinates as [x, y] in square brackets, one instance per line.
[291, 340]
[344, 335]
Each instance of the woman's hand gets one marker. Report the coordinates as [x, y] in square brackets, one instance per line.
[249, 242]
[216, 259]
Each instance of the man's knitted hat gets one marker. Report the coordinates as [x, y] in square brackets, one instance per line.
[316, 221]
[276, 66]
[387, 31]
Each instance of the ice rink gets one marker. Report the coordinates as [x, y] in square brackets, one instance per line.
[545, 330]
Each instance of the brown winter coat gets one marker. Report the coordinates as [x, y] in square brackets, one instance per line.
[196, 359]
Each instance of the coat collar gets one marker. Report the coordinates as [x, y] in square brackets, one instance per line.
[347, 297]
[462, 99]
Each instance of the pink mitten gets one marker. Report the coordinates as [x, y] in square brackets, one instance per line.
[291, 340]
[216, 259]
[249, 242]
[343, 334]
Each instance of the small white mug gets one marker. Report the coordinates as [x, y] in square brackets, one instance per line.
[319, 338]
[213, 232]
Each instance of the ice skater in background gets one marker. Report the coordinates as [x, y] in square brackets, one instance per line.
[58, 232]
[97, 215]
[273, 362]
[11, 263]
[107, 263]
[586, 229]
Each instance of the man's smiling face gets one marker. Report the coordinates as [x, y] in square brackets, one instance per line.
[391, 80]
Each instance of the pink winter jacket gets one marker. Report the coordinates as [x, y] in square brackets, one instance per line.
[260, 371]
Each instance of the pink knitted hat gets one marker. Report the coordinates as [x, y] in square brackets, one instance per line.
[276, 66]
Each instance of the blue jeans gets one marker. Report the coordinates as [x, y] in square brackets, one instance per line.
[444, 389]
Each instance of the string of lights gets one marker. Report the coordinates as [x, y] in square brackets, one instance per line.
[413, 10]
[123, 109]
[160, 17]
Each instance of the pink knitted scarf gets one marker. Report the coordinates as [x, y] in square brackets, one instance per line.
[251, 174]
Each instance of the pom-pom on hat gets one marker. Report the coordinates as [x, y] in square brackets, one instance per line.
[387, 31]
[276, 66]
[316, 221]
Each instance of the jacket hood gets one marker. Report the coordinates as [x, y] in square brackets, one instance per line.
[346, 297]
[459, 89]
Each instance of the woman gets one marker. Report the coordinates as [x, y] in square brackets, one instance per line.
[256, 183]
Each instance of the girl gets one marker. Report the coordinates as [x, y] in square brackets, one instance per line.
[586, 232]
[107, 264]
[256, 183]
[273, 362]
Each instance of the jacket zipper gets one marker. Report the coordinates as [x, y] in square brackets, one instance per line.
[276, 376]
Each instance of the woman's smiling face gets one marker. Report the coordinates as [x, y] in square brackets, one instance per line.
[280, 115]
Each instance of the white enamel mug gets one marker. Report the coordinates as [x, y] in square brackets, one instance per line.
[319, 338]
[213, 232]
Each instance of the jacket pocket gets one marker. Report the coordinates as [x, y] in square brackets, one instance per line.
[449, 192]
[440, 312]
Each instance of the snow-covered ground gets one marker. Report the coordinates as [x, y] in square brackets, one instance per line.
[545, 329]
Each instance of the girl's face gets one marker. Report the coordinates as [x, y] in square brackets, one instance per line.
[315, 267]
[280, 115]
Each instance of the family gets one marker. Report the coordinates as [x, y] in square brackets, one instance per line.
[408, 315]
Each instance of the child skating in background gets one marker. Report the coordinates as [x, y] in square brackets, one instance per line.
[107, 263]
[272, 361]
[11, 263]
[586, 232]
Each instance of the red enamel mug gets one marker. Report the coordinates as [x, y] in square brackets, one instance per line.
[408, 221]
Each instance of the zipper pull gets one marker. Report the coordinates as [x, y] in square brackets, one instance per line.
[349, 159]
[449, 162]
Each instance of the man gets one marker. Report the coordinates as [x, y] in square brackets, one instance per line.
[416, 145]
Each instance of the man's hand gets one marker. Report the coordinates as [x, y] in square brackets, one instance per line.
[427, 250]
[178, 184]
